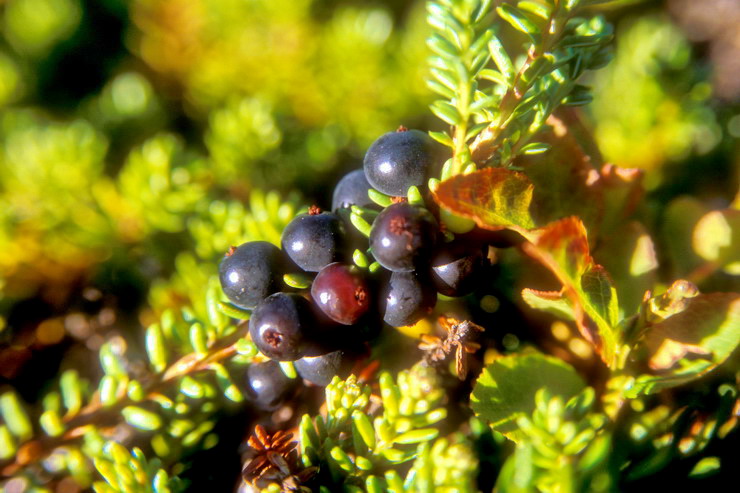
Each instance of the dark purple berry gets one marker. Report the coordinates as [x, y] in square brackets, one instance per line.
[313, 240]
[403, 236]
[267, 385]
[319, 370]
[398, 160]
[251, 272]
[457, 268]
[407, 299]
[282, 327]
[352, 190]
[341, 292]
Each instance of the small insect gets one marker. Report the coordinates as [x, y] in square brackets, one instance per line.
[458, 333]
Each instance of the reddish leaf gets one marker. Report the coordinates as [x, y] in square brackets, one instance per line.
[562, 179]
[495, 198]
[563, 248]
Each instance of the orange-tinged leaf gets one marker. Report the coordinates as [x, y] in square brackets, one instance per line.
[709, 326]
[554, 302]
[563, 248]
[563, 245]
[690, 342]
[495, 198]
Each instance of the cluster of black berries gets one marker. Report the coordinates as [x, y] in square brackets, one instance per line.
[346, 305]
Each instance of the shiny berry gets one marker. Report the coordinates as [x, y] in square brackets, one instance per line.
[282, 327]
[457, 268]
[267, 385]
[352, 190]
[398, 160]
[341, 292]
[319, 370]
[407, 299]
[251, 272]
[403, 237]
[313, 240]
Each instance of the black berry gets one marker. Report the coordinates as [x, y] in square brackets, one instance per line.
[341, 292]
[398, 160]
[282, 327]
[313, 240]
[267, 385]
[407, 299]
[319, 370]
[403, 236]
[352, 190]
[457, 268]
[251, 272]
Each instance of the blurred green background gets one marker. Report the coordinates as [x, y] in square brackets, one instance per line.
[136, 136]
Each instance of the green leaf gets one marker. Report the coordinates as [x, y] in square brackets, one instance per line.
[288, 368]
[360, 259]
[446, 78]
[495, 198]
[680, 220]
[541, 10]
[360, 224]
[442, 47]
[628, 253]
[581, 95]
[518, 19]
[716, 239]
[234, 311]
[692, 342]
[553, 302]
[71, 388]
[443, 138]
[446, 112]
[501, 59]
[705, 467]
[379, 198]
[414, 196]
[51, 423]
[141, 418]
[541, 65]
[15, 416]
[535, 148]
[440, 89]
[297, 280]
[156, 348]
[417, 436]
[600, 294]
[494, 76]
[198, 338]
[7, 443]
[506, 388]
